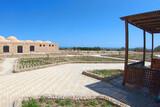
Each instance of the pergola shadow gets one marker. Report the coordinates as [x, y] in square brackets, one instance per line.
[128, 95]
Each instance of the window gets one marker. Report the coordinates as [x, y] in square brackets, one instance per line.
[52, 45]
[19, 49]
[32, 49]
[5, 49]
[44, 45]
[49, 45]
[40, 45]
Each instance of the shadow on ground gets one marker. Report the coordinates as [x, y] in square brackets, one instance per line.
[130, 96]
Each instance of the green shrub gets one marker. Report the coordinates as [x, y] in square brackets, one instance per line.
[107, 104]
[42, 99]
[47, 106]
[92, 103]
[30, 103]
[65, 102]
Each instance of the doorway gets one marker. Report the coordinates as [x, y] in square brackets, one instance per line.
[19, 49]
[5, 49]
[32, 49]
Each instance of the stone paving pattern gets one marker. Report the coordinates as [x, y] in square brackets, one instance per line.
[65, 80]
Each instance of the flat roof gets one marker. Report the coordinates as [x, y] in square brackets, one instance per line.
[149, 21]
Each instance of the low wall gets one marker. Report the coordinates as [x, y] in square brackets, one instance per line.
[93, 75]
[16, 70]
[34, 55]
[18, 102]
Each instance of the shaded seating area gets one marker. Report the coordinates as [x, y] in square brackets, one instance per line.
[137, 74]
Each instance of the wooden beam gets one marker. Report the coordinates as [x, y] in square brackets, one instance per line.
[126, 51]
[151, 29]
[149, 23]
[140, 27]
[144, 46]
[147, 29]
[152, 46]
[142, 15]
[148, 20]
[151, 26]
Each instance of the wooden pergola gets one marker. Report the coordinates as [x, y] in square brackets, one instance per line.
[137, 73]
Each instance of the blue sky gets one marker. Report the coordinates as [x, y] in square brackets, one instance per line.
[74, 22]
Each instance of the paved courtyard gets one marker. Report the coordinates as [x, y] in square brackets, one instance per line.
[61, 80]
[65, 80]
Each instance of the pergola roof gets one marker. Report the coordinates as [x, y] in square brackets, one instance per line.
[150, 21]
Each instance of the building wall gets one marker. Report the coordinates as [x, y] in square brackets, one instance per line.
[44, 48]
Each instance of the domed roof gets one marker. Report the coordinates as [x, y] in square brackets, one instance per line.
[13, 39]
[2, 38]
[28, 41]
[39, 41]
[48, 41]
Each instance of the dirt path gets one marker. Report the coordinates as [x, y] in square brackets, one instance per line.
[6, 67]
[116, 58]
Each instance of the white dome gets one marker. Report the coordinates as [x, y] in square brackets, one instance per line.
[13, 39]
[28, 41]
[2, 38]
[48, 41]
[39, 41]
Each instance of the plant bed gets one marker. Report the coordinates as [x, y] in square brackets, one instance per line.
[103, 74]
[26, 64]
[67, 102]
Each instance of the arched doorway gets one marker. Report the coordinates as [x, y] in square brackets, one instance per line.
[32, 48]
[19, 49]
[5, 49]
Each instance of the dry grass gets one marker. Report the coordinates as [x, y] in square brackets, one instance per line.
[34, 62]
[107, 73]
[45, 102]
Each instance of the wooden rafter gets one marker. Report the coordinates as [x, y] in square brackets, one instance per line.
[150, 22]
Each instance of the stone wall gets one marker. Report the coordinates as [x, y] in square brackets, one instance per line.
[38, 47]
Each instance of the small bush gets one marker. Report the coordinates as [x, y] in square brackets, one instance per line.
[30, 103]
[92, 103]
[66, 102]
[107, 104]
[46, 102]
[42, 99]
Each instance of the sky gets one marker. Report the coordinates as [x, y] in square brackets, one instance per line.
[72, 23]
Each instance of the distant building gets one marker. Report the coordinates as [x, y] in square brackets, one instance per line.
[12, 45]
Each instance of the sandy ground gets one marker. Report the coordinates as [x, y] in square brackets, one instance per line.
[146, 63]
[61, 80]
[6, 67]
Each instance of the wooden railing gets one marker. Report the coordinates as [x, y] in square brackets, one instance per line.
[141, 76]
[155, 64]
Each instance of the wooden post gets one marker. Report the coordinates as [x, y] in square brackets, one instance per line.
[126, 52]
[152, 46]
[144, 46]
